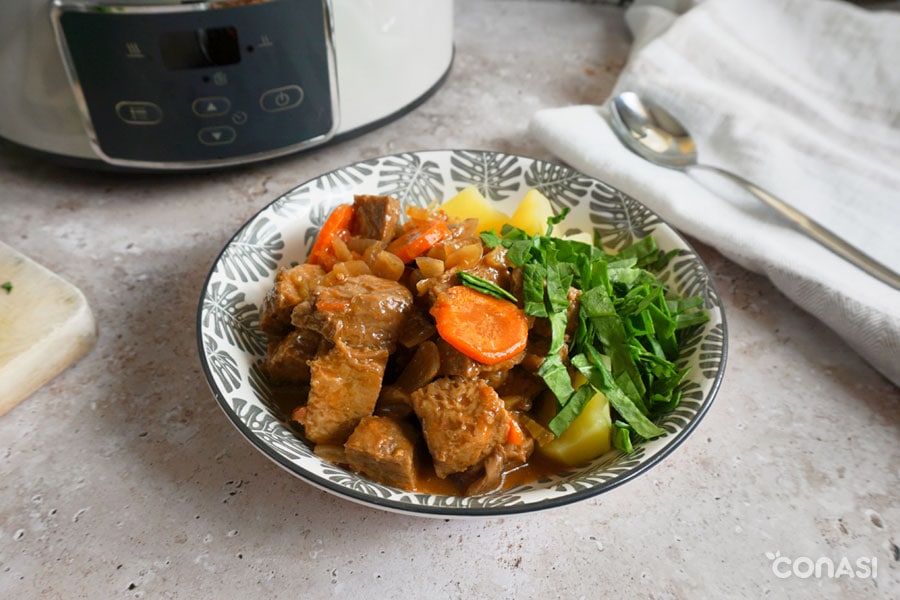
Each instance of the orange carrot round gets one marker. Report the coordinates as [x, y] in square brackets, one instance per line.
[484, 328]
[337, 225]
[419, 240]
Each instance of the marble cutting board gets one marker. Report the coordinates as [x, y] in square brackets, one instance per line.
[45, 326]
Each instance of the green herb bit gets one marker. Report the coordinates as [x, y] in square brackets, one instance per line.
[621, 437]
[485, 287]
[555, 374]
[556, 219]
[533, 276]
[7, 285]
[491, 239]
[571, 410]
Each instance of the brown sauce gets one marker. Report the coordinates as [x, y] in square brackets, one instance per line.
[537, 467]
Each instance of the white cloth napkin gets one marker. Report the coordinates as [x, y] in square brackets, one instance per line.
[801, 97]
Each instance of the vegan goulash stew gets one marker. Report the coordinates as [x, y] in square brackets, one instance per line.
[406, 336]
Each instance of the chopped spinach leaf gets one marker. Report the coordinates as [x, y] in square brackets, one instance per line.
[626, 340]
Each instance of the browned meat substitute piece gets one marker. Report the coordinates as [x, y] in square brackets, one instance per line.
[383, 449]
[359, 318]
[463, 421]
[292, 286]
[288, 358]
[375, 217]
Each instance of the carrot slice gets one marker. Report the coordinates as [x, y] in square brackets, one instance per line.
[331, 305]
[337, 225]
[484, 328]
[515, 436]
[419, 240]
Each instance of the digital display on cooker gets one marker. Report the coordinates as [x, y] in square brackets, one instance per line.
[200, 83]
[200, 48]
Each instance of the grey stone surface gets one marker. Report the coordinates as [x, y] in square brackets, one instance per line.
[121, 478]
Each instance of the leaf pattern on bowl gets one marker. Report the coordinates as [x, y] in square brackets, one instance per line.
[692, 279]
[223, 366]
[232, 319]
[410, 178]
[494, 174]
[620, 219]
[348, 176]
[254, 253]
[564, 187]
[232, 347]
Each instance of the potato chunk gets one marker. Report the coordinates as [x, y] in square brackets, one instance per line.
[589, 435]
[532, 213]
[471, 204]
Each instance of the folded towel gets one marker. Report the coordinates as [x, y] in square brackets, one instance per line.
[802, 97]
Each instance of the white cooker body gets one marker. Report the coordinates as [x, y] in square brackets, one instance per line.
[384, 57]
[389, 54]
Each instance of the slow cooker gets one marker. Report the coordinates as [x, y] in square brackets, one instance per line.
[167, 84]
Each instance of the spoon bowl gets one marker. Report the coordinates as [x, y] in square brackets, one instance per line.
[651, 132]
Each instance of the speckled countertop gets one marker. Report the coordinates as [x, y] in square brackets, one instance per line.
[122, 478]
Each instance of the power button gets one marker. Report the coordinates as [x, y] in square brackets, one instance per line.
[282, 98]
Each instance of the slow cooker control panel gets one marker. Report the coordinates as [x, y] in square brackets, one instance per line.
[173, 85]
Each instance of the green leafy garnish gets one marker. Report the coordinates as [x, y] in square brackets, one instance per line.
[484, 286]
[626, 340]
[7, 285]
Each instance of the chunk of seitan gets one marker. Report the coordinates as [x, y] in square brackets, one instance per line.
[463, 421]
[287, 359]
[384, 449]
[359, 318]
[344, 386]
[292, 286]
[361, 310]
[375, 217]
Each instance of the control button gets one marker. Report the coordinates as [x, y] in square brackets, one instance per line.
[220, 78]
[239, 118]
[215, 136]
[139, 113]
[212, 106]
[133, 50]
[281, 98]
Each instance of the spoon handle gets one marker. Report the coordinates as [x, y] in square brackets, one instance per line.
[819, 233]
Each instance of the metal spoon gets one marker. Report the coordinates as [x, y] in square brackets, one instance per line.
[651, 132]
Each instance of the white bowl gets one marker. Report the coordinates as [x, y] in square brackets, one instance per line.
[232, 346]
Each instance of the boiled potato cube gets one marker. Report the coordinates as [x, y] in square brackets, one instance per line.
[470, 203]
[589, 435]
[532, 213]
